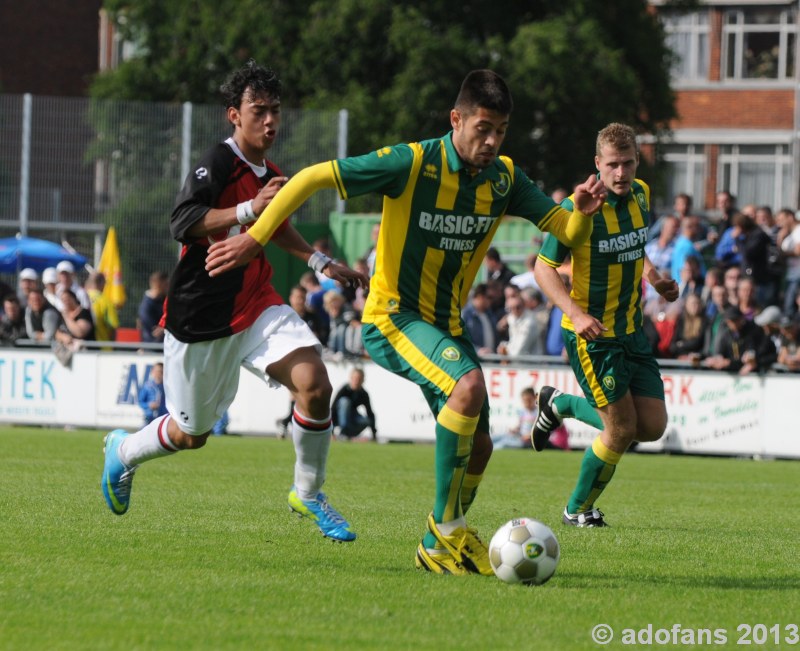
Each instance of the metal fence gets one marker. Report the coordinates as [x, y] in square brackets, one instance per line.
[72, 167]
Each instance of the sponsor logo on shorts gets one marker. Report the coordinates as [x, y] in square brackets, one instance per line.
[451, 354]
[609, 382]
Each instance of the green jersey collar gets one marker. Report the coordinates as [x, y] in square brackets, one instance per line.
[614, 199]
[455, 164]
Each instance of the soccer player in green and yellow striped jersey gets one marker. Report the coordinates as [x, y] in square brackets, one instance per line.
[602, 326]
[443, 202]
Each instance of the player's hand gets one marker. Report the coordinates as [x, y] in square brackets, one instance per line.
[267, 193]
[668, 288]
[346, 276]
[587, 326]
[231, 253]
[590, 195]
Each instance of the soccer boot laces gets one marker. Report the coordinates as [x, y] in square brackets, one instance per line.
[330, 522]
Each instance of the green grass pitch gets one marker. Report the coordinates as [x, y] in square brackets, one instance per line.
[209, 557]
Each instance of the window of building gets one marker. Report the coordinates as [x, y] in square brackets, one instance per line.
[685, 171]
[759, 43]
[757, 174]
[687, 38]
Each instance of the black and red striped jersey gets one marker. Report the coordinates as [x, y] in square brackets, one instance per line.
[199, 307]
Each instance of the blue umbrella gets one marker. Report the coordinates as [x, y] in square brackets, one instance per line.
[16, 253]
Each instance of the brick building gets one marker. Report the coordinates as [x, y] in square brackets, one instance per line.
[48, 47]
[736, 81]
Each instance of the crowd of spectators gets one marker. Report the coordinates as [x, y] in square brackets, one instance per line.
[738, 270]
[57, 309]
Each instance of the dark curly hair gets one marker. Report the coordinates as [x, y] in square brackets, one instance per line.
[253, 76]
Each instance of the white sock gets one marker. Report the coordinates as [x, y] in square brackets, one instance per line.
[150, 442]
[448, 528]
[312, 439]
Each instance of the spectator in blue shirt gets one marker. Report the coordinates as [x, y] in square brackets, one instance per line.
[151, 394]
[727, 252]
[685, 247]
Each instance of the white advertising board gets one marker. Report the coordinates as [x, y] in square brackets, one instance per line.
[709, 412]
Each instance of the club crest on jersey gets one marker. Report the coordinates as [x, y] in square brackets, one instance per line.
[451, 354]
[201, 173]
[640, 199]
[609, 382]
[502, 185]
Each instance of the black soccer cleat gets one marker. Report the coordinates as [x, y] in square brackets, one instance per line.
[547, 420]
[593, 518]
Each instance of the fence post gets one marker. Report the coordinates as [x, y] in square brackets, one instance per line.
[25, 164]
[186, 140]
[342, 149]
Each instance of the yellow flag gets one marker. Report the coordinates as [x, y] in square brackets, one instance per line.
[111, 267]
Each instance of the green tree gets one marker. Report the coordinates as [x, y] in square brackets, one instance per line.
[395, 67]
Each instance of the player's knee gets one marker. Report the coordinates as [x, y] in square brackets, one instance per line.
[320, 391]
[314, 397]
[652, 431]
[652, 425]
[471, 389]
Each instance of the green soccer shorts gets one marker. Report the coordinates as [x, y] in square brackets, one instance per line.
[434, 359]
[608, 367]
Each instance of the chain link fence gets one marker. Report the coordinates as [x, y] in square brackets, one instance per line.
[72, 167]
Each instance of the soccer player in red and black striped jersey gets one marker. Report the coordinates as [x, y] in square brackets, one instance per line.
[216, 325]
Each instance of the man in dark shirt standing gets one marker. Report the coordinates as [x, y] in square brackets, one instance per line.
[214, 326]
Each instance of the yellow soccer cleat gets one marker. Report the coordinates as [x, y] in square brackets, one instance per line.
[438, 562]
[466, 547]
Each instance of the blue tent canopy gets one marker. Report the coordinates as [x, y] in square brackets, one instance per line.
[17, 253]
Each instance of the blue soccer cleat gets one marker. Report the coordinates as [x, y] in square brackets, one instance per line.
[117, 477]
[328, 519]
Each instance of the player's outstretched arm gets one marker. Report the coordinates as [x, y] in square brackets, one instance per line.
[240, 249]
[575, 228]
[293, 243]
[550, 282]
[667, 287]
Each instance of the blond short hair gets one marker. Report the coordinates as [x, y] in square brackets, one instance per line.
[619, 136]
[332, 297]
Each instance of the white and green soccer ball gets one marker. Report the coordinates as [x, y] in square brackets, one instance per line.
[524, 550]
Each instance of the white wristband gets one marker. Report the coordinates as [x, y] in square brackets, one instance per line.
[318, 261]
[244, 212]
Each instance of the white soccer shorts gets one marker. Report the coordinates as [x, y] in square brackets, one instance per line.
[201, 379]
